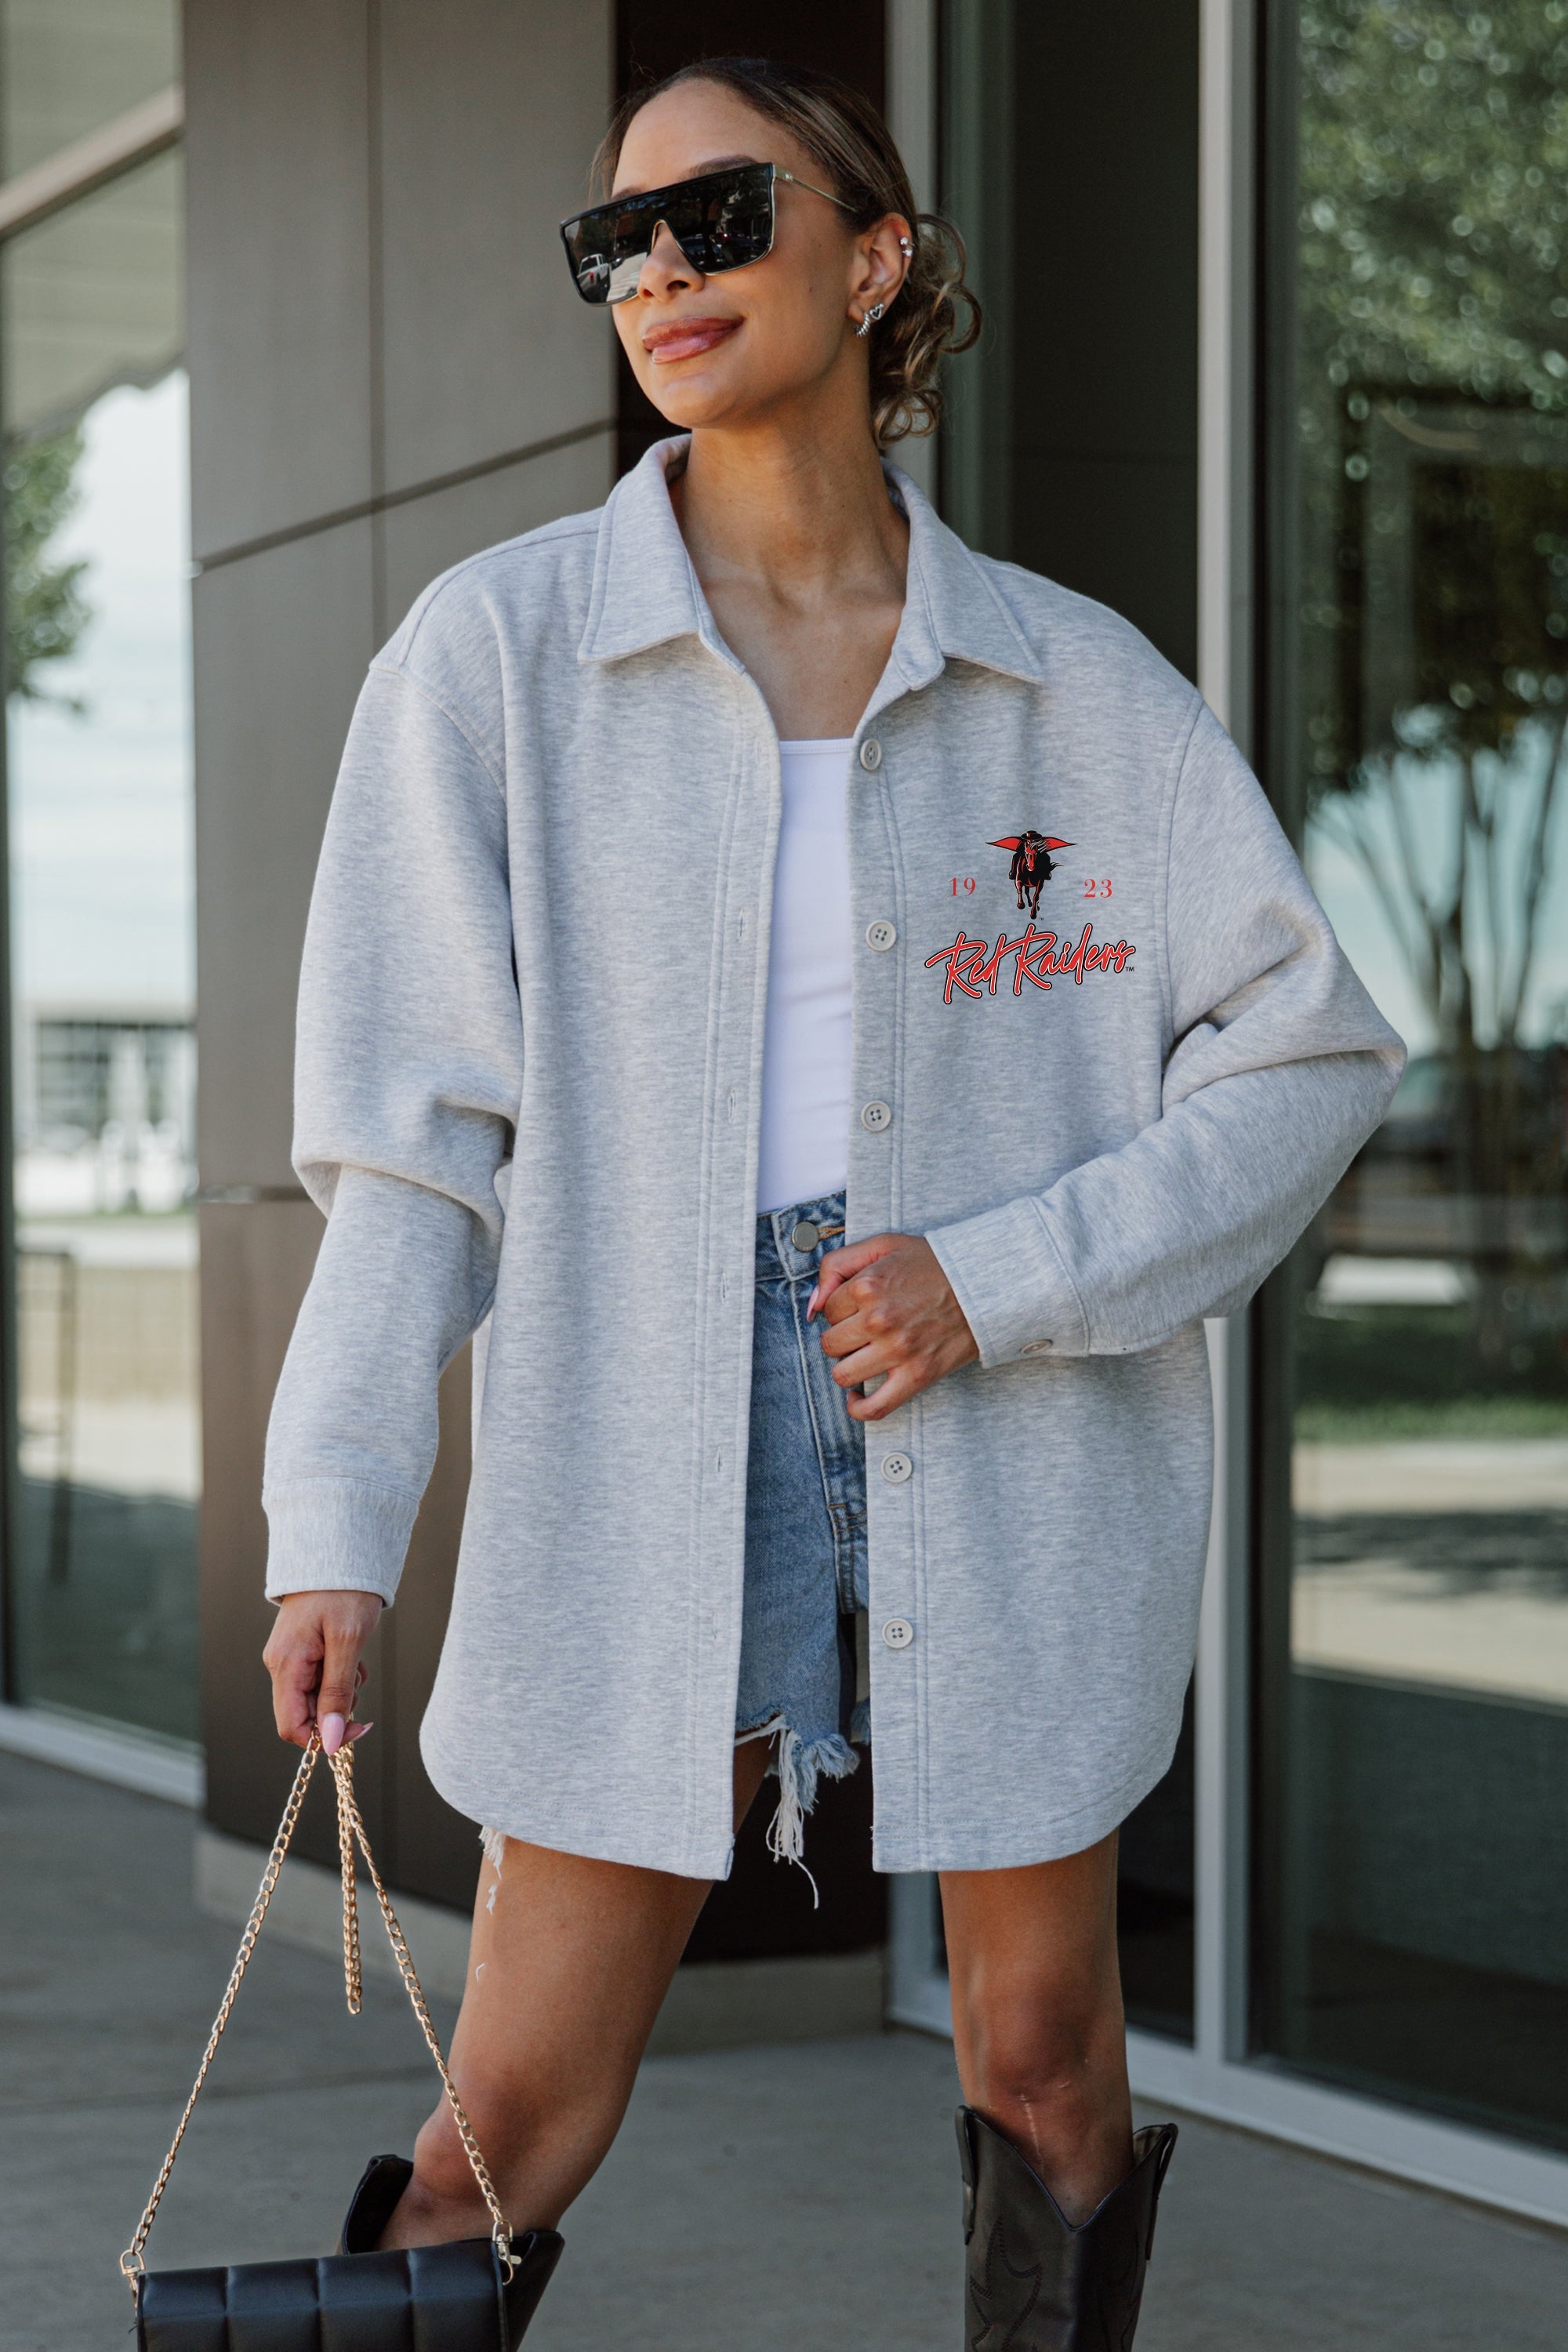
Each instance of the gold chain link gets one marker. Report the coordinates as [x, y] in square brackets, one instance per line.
[351, 1830]
[351, 1981]
[501, 2232]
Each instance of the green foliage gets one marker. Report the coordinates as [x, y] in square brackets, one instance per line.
[1428, 1359]
[44, 609]
[1431, 300]
[1385, 1423]
[1434, 194]
[1433, 262]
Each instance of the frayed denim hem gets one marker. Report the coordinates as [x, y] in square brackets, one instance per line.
[799, 1768]
[493, 1841]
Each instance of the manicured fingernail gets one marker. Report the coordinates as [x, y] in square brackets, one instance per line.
[332, 1734]
[358, 1730]
[811, 1302]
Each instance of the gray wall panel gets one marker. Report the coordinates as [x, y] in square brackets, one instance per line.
[256, 1264]
[428, 535]
[490, 113]
[279, 244]
[281, 644]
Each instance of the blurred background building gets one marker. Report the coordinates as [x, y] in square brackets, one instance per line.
[1275, 362]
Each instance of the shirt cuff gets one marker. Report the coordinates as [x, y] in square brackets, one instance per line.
[336, 1535]
[1008, 1276]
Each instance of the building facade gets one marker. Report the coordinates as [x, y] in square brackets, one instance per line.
[1275, 362]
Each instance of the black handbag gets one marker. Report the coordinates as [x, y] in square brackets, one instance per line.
[476, 2294]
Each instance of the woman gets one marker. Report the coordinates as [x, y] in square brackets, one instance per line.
[672, 1009]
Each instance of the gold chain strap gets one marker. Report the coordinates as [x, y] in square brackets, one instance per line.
[342, 1772]
[350, 1831]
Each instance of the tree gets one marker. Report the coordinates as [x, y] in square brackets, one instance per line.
[1433, 446]
[45, 611]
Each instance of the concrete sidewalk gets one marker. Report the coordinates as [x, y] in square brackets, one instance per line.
[761, 2201]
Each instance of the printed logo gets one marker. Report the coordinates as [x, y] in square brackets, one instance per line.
[1032, 865]
[973, 966]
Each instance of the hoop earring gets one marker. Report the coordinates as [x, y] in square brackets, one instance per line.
[871, 319]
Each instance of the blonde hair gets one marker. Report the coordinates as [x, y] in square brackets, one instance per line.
[850, 142]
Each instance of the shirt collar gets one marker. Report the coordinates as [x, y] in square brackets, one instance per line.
[646, 590]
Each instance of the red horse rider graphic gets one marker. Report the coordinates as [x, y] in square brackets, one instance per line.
[1032, 866]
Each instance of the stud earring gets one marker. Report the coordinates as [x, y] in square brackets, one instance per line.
[871, 319]
[906, 247]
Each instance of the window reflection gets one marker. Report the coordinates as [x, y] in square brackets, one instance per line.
[1421, 1929]
[67, 66]
[102, 1557]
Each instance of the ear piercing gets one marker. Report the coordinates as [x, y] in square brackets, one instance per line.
[906, 247]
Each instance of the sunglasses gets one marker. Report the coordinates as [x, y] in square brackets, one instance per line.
[721, 220]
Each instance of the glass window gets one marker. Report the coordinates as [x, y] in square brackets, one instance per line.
[1414, 1602]
[66, 67]
[101, 1558]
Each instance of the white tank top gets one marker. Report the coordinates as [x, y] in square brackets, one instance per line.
[805, 1048]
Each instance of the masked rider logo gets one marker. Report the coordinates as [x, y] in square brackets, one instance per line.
[1032, 865]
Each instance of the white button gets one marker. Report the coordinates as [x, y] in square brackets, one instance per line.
[876, 1116]
[1034, 1347]
[897, 1632]
[896, 1468]
[870, 755]
[880, 934]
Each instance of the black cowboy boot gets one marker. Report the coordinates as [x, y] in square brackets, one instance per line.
[1035, 2283]
[535, 2252]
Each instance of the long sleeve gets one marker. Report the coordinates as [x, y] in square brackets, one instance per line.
[407, 1079]
[1280, 1068]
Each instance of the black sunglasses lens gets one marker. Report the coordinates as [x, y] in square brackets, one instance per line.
[737, 225]
[721, 221]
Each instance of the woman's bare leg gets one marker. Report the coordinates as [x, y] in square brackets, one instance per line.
[1036, 2017]
[565, 1978]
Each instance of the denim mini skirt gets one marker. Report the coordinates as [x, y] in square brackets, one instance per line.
[802, 1625]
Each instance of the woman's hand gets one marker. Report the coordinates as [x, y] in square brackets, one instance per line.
[313, 1658]
[890, 1311]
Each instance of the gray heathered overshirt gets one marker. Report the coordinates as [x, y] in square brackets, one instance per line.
[530, 1055]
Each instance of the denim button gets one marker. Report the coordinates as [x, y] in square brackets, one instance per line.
[897, 1632]
[897, 1468]
[876, 1116]
[880, 934]
[803, 1235]
[870, 755]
